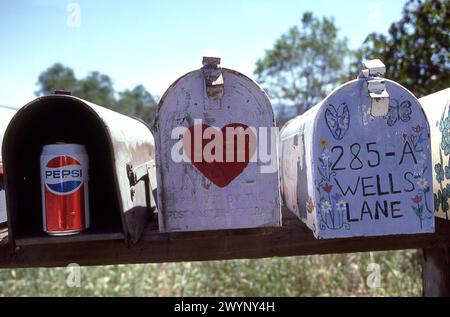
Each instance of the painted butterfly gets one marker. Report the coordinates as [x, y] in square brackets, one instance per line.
[398, 111]
[338, 120]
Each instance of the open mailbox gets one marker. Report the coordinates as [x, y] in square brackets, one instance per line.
[359, 162]
[121, 168]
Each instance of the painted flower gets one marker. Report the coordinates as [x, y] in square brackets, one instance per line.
[445, 144]
[447, 172]
[341, 205]
[323, 143]
[417, 199]
[444, 125]
[310, 205]
[412, 138]
[336, 197]
[439, 172]
[327, 188]
[325, 156]
[417, 129]
[422, 158]
[417, 170]
[422, 182]
[326, 206]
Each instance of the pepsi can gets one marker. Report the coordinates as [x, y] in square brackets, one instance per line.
[64, 185]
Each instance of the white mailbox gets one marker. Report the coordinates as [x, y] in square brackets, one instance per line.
[216, 153]
[436, 107]
[6, 115]
[359, 162]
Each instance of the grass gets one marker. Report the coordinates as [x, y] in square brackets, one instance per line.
[327, 275]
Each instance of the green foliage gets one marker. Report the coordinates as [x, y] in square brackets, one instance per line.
[138, 102]
[329, 275]
[56, 77]
[305, 63]
[416, 50]
[98, 88]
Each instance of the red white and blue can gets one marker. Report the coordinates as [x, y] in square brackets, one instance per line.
[64, 183]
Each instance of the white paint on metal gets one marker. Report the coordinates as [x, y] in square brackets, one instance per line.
[189, 201]
[436, 107]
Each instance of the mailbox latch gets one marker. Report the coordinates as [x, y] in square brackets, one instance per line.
[373, 71]
[137, 174]
[213, 77]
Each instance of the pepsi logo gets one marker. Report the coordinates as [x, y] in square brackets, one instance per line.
[63, 175]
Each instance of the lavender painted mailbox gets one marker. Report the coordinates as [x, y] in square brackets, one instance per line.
[436, 107]
[200, 191]
[359, 162]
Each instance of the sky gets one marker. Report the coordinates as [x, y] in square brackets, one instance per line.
[153, 42]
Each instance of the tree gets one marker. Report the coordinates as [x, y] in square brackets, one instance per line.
[56, 77]
[98, 88]
[137, 102]
[305, 63]
[416, 50]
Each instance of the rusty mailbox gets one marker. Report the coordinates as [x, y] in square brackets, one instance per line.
[436, 107]
[6, 113]
[359, 162]
[121, 165]
[216, 153]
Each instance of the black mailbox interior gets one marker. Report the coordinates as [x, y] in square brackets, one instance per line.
[47, 121]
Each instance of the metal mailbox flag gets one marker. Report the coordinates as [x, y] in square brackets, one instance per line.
[359, 162]
[436, 107]
[216, 153]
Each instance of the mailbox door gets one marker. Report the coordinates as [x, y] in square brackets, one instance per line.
[372, 175]
[190, 198]
[436, 107]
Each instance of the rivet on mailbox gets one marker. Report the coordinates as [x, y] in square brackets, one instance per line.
[216, 153]
[359, 162]
[436, 107]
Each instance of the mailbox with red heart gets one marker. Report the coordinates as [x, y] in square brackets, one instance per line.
[216, 153]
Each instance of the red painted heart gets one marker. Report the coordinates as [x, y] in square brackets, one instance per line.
[220, 155]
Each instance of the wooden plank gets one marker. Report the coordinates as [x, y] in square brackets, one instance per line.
[290, 240]
[84, 237]
[436, 272]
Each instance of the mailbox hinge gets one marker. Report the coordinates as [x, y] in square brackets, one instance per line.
[137, 174]
[212, 74]
[373, 71]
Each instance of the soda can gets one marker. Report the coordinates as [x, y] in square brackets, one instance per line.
[64, 185]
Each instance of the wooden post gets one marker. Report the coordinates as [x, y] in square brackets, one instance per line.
[436, 272]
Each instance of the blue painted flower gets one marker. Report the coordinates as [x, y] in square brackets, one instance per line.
[439, 172]
[447, 172]
[445, 144]
[336, 197]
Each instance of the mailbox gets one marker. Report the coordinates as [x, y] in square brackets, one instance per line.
[121, 168]
[359, 162]
[6, 114]
[216, 153]
[436, 107]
